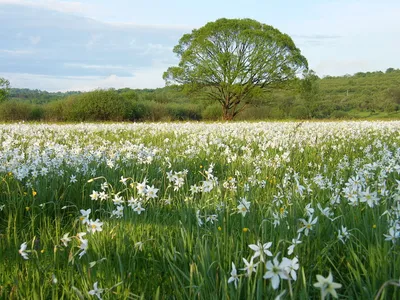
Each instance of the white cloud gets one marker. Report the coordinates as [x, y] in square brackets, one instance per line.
[57, 5]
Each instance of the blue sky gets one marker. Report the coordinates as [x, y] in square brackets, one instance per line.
[86, 44]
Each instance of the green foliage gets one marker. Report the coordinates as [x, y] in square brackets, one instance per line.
[370, 95]
[184, 112]
[17, 111]
[98, 105]
[37, 96]
[231, 60]
[212, 112]
[310, 92]
[4, 89]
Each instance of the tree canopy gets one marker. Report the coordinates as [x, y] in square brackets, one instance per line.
[232, 60]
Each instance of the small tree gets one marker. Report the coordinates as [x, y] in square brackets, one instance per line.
[310, 92]
[4, 89]
[233, 60]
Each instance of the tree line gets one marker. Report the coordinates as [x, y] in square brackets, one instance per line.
[362, 95]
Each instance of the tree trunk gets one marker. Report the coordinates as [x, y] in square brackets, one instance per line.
[227, 114]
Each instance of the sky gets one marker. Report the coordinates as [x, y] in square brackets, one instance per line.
[82, 45]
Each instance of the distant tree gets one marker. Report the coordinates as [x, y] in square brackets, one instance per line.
[390, 70]
[4, 89]
[310, 92]
[233, 60]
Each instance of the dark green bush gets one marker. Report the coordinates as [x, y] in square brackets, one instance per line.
[212, 112]
[182, 112]
[98, 105]
[339, 114]
[15, 111]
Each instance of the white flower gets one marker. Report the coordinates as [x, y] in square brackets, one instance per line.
[151, 192]
[141, 187]
[327, 285]
[199, 221]
[123, 180]
[72, 179]
[103, 196]
[94, 195]
[85, 215]
[96, 291]
[343, 235]
[307, 225]
[291, 266]
[243, 207]
[261, 249]
[250, 266]
[309, 210]
[275, 271]
[212, 218]
[94, 226]
[118, 212]
[104, 186]
[294, 243]
[118, 200]
[139, 208]
[371, 198]
[139, 245]
[234, 277]
[65, 239]
[392, 236]
[83, 247]
[22, 251]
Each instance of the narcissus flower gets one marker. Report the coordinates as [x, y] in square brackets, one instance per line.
[327, 286]
[234, 277]
[22, 251]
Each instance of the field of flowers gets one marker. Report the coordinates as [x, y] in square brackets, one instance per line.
[200, 211]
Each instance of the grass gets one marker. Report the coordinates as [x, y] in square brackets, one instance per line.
[182, 245]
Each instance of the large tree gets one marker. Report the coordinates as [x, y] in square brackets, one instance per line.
[4, 89]
[233, 60]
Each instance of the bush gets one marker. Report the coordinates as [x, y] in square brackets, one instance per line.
[15, 111]
[98, 105]
[55, 111]
[212, 112]
[339, 114]
[182, 112]
[139, 111]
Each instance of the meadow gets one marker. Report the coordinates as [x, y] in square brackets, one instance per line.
[266, 210]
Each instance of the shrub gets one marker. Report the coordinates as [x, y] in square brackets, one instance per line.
[212, 112]
[15, 111]
[181, 112]
[339, 114]
[98, 105]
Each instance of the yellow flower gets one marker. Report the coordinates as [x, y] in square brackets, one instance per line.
[245, 229]
[42, 251]
[34, 193]
[219, 228]
[374, 226]
[201, 167]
